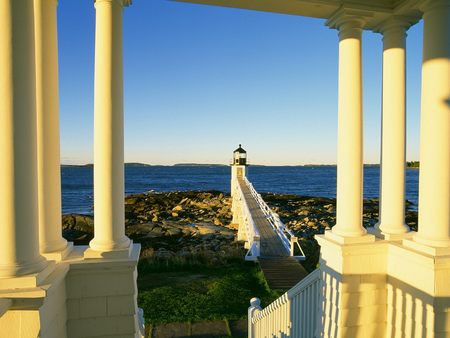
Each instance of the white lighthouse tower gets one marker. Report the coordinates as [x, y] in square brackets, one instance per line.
[238, 170]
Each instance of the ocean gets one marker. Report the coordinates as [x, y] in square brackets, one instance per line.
[317, 181]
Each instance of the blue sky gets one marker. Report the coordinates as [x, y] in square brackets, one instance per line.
[199, 80]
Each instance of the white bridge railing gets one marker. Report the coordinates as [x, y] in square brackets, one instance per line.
[295, 314]
[252, 234]
[289, 240]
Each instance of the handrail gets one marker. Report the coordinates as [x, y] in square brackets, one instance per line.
[5, 304]
[288, 238]
[253, 237]
[294, 314]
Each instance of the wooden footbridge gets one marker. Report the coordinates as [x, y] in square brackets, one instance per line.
[268, 240]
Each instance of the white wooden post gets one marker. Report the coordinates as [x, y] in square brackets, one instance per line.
[294, 239]
[255, 307]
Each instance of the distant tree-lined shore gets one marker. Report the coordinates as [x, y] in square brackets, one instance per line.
[412, 164]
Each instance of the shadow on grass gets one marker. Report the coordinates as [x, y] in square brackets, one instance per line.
[173, 290]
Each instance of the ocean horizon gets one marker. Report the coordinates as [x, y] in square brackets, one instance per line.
[305, 180]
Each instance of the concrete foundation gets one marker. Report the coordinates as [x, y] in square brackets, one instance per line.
[383, 289]
[75, 298]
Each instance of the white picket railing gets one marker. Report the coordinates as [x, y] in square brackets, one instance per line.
[289, 240]
[252, 233]
[295, 314]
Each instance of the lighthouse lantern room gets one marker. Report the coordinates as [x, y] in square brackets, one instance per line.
[240, 156]
[238, 167]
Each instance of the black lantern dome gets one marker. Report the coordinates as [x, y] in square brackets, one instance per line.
[239, 156]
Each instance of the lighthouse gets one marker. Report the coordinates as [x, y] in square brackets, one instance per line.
[238, 167]
[238, 171]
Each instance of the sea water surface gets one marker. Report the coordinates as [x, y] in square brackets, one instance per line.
[317, 181]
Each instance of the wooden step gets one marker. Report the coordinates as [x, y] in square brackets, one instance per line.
[282, 273]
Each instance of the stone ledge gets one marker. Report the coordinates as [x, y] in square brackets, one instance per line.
[80, 265]
[366, 330]
[101, 326]
[45, 288]
[93, 307]
[353, 259]
[5, 304]
[367, 238]
[429, 250]
[59, 256]
[389, 237]
[357, 299]
[355, 248]
[103, 283]
[114, 254]
[120, 305]
[27, 281]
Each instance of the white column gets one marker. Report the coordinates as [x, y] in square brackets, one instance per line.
[393, 143]
[108, 129]
[19, 243]
[434, 179]
[49, 172]
[350, 132]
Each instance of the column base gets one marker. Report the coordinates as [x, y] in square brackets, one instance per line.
[27, 281]
[102, 297]
[124, 253]
[39, 310]
[418, 292]
[413, 244]
[384, 289]
[74, 298]
[354, 288]
[24, 269]
[388, 237]
[367, 238]
[59, 255]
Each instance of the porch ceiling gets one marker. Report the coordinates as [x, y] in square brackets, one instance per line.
[379, 9]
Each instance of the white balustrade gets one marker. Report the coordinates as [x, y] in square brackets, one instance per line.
[287, 237]
[295, 314]
[251, 232]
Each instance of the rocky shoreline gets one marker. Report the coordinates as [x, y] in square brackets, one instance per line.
[196, 224]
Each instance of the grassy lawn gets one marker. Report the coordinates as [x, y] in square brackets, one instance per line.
[194, 293]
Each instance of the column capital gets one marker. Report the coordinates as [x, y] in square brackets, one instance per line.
[50, 2]
[394, 30]
[349, 22]
[398, 23]
[428, 5]
[122, 3]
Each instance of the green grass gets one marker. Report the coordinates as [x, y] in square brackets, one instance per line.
[196, 293]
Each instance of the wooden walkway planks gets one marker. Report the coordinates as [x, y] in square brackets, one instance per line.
[271, 245]
[280, 270]
[282, 273]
